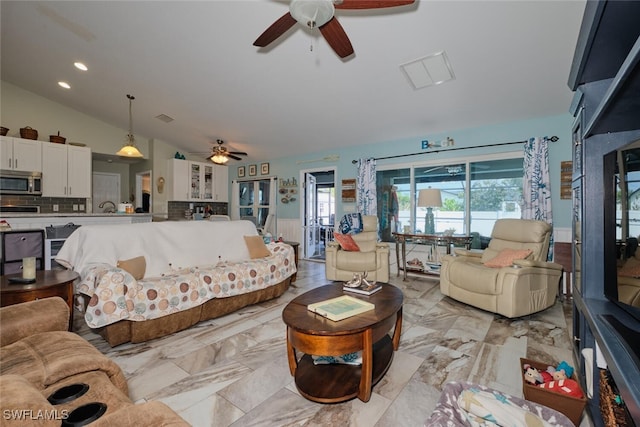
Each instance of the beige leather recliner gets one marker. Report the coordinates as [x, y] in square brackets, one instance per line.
[373, 256]
[525, 287]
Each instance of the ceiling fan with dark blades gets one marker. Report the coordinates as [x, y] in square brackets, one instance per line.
[320, 14]
[220, 155]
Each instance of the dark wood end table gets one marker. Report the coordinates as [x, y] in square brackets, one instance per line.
[312, 334]
[49, 283]
[295, 246]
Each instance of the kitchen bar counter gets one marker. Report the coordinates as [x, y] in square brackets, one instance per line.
[21, 221]
[4, 215]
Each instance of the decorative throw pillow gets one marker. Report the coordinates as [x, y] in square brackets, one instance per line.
[346, 242]
[134, 266]
[256, 247]
[506, 257]
[631, 268]
[351, 224]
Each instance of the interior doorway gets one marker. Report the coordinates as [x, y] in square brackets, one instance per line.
[106, 188]
[317, 211]
[143, 191]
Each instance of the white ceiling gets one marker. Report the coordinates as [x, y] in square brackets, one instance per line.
[195, 62]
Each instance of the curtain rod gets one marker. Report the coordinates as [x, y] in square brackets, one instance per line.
[552, 139]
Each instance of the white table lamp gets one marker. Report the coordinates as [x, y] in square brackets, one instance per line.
[429, 198]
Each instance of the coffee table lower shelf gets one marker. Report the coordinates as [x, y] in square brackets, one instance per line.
[335, 383]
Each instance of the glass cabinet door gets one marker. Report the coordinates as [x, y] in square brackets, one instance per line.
[577, 143]
[577, 235]
[207, 191]
[194, 175]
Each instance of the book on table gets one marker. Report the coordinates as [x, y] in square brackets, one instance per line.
[364, 289]
[341, 307]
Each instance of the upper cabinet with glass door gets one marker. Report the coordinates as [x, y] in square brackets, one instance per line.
[192, 181]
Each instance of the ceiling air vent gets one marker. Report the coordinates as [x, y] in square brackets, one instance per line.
[164, 118]
[428, 71]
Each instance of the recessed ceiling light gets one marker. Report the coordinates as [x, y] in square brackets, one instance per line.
[80, 66]
[64, 85]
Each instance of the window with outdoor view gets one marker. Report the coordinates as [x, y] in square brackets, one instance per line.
[472, 196]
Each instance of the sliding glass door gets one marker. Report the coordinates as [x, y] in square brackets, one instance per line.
[473, 195]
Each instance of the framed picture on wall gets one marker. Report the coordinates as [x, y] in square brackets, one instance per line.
[240, 171]
[253, 170]
[264, 169]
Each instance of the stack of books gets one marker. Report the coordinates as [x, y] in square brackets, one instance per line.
[365, 288]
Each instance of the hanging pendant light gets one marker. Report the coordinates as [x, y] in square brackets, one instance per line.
[129, 148]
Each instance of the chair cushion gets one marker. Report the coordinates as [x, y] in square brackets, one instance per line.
[346, 242]
[366, 241]
[474, 277]
[356, 261]
[506, 257]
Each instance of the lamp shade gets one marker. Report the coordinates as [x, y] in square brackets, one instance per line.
[429, 198]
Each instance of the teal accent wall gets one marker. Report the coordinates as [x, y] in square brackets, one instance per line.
[560, 125]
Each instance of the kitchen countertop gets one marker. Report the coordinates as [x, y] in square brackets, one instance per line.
[68, 215]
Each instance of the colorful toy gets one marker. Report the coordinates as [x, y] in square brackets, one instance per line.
[568, 387]
[532, 375]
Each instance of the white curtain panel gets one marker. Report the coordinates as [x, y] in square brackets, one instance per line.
[273, 207]
[366, 198]
[536, 186]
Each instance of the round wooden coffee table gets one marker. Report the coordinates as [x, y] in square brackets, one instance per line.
[313, 334]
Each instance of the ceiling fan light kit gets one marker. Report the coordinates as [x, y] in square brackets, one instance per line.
[320, 14]
[312, 13]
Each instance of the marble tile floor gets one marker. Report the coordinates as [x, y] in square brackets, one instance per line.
[233, 371]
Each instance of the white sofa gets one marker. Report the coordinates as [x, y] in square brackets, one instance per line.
[195, 270]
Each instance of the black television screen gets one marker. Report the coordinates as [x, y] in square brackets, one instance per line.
[622, 228]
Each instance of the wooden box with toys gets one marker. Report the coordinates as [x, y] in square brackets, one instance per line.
[555, 387]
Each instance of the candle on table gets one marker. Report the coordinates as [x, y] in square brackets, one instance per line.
[29, 268]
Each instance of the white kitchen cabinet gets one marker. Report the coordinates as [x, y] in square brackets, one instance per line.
[177, 182]
[20, 154]
[196, 181]
[66, 171]
[221, 183]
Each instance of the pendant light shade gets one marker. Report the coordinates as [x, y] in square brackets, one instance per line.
[129, 148]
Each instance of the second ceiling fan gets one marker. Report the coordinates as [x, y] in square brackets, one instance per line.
[320, 14]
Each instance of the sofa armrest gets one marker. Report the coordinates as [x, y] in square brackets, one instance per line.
[474, 253]
[539, 264]
[22, 320]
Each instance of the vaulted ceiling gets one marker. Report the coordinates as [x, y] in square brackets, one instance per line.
[195, 62]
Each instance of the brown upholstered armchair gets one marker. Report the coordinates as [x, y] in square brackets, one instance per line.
[47, 370]
[373, 256]
[523, 287]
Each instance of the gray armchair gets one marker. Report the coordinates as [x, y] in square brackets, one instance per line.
[524, 287]
[373, 256]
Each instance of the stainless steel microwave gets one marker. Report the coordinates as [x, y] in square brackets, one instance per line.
[19, 182]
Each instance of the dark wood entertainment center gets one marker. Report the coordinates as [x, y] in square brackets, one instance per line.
[605, 76]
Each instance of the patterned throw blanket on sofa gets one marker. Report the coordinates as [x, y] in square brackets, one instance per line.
[116, 295]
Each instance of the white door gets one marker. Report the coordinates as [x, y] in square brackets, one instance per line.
[311, 228]
[106, 187]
